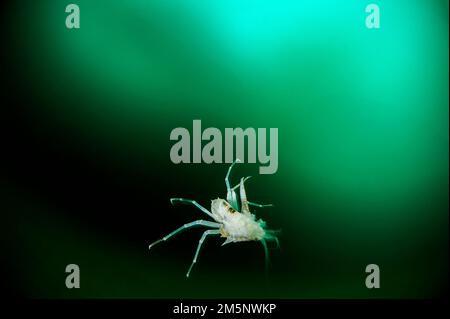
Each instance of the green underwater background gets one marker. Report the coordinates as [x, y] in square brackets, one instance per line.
[362, 175]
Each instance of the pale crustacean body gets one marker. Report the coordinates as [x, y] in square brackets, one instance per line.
[235, 226]
[231, 222]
